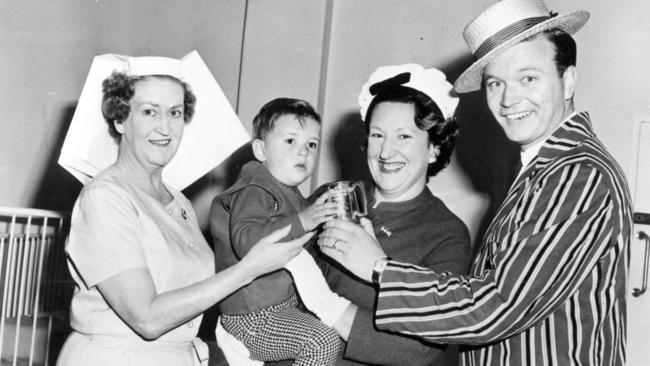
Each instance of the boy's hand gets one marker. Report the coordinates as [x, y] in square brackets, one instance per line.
[318, 213]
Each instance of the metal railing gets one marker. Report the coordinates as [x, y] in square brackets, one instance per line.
[35, 287]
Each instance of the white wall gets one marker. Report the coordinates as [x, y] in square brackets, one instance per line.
[41, 78]
[614, 81]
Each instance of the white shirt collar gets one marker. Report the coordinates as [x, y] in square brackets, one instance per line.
[529, 154]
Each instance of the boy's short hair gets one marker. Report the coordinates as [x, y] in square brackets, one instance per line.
[264, 122]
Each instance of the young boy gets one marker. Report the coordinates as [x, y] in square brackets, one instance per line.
[264, 315]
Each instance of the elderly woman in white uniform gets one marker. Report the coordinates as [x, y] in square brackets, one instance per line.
[144, 271]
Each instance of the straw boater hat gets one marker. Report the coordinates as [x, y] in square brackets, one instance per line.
[504, 24]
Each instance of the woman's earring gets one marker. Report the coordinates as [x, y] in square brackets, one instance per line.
[434, 156]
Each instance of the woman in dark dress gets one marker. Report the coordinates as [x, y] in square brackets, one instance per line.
[410, 137]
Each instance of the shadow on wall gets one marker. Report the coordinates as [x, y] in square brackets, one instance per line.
[57, 189]
[482, 149]
[484, 152]
[203, 191]
[223, 175]
[350, 148]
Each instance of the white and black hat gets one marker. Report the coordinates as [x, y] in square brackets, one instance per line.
[430, 82]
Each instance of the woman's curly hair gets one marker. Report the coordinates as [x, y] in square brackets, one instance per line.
[119, 88]
[428, 117]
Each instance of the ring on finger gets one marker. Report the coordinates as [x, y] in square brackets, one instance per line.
[335, 247]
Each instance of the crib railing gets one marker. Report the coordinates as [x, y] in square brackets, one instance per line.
[35, 286]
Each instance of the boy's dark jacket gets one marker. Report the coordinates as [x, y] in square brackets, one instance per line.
[256, 205]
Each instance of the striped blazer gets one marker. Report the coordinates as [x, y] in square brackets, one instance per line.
[548, 284]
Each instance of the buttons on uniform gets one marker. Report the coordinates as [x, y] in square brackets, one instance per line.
[190, 324]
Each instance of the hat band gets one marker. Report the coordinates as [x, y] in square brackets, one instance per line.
[395, 81]
[507, 33]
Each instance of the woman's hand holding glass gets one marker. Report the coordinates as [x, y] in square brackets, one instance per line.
[353, 246]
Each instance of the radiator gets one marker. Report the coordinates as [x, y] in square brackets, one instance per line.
[35, 286]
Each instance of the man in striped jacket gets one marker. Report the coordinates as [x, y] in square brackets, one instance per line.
[547, 286]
